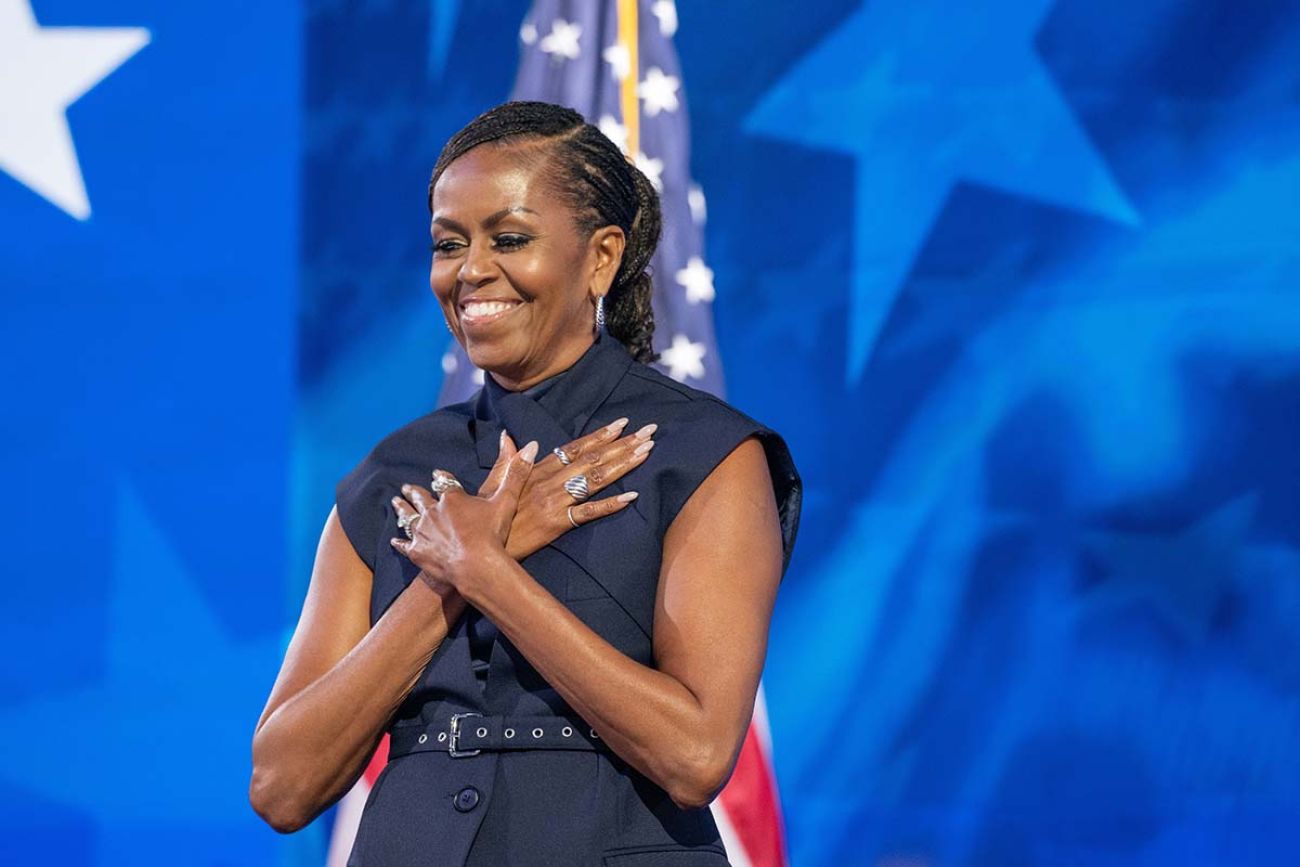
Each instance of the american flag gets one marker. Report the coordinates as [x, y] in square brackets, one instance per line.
[614, 61]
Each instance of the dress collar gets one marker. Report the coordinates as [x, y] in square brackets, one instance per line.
[561, 412]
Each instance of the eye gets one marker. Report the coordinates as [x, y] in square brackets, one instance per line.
[511, 242]
[445, 246]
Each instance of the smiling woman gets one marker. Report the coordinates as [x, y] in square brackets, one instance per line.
[566, 679]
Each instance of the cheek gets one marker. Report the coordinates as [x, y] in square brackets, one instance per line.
[442, 280]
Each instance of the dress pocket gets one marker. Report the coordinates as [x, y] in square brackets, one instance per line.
[665, 856]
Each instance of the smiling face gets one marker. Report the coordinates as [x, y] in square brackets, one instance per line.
[513, 272]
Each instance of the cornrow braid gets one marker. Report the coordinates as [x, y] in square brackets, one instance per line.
[601, 187]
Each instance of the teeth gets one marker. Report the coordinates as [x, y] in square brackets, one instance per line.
[486, 308]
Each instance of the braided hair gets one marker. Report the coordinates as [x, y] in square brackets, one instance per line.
[601, 187]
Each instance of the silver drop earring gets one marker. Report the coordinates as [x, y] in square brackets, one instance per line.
[600, 312]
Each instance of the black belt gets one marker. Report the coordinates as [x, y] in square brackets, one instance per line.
[468, 734]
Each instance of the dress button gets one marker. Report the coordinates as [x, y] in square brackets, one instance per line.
[466, 799]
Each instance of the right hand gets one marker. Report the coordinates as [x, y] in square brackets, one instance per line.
[542, 514]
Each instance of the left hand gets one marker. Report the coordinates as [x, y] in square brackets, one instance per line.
[456, 534]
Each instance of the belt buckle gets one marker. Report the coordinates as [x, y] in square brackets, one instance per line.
[454, 739]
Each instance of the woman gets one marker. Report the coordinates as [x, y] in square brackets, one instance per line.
[566, 678]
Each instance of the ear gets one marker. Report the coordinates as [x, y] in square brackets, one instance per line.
[605, 254]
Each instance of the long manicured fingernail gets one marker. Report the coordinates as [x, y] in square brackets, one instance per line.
[644, 447]
[645, 432]
[616, 425]
[501, 440]
[529, 451]
[626, 498]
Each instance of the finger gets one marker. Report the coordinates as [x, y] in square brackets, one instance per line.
[402, 545]
[421, 498]
[516, 474]
[403, 509]
[584, 445]
[451, 489]
[592, 510]
[605, 467]
[505, 453]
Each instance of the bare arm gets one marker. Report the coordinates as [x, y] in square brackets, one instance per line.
[682, 722]
[340, 683]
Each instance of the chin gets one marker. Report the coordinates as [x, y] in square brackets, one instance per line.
[494, 356]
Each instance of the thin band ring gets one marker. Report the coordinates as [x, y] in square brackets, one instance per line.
[569, 512]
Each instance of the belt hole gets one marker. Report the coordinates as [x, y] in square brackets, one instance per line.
[537, 733]
[423, 738]
[594, 735]
[482, 732]
[442, 736]
[567, 732]
[510, 733]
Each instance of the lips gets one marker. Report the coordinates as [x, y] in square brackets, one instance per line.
[480, 312]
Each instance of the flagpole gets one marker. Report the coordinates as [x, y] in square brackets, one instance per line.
[627, 37]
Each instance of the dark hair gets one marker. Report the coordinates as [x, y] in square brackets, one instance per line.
[602, 188]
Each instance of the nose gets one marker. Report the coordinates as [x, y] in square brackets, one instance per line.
[478, 266]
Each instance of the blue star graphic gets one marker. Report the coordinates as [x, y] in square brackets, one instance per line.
[926, 95]
[1183, 577]
[160, 746]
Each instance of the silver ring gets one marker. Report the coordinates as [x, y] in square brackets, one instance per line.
[560, 453]
[569, 512]
[443, 482]
[577, 488]
[404, 523]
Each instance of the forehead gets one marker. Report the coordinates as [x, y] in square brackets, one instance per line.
[491, 177]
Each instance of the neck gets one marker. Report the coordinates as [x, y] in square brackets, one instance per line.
[562, 362]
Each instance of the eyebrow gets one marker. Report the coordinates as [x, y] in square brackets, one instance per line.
[488, 223]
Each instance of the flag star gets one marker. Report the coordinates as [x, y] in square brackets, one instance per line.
[449, 362]
[698, 280]
[528, 33]
[699, 209]
[666, 12]
[684, 358]
[652, 169]
[614, 131]
[563, 39]
[620, 62]
[658, 91]
[43, 70]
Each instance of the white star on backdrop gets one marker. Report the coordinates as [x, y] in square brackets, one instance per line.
[614, 131]
[563, 39]
[528, 33]
[43, 70]
[698, 280]
[699, 208]
[652, 169]
[620, 62]
[658, 91]
[684, 358]
[666, 12]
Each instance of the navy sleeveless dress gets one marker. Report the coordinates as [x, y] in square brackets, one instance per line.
[535, 807]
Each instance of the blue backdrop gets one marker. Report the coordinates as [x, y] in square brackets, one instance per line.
[1017, 280]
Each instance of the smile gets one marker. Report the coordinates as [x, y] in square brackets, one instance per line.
[475, 313]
